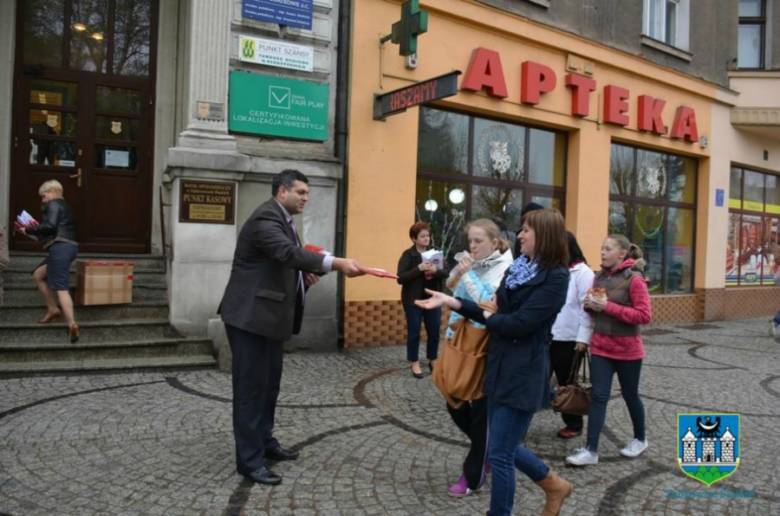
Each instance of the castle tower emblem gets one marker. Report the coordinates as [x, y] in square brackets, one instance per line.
[708, 445]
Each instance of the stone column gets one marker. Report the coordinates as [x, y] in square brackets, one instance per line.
[207, 55]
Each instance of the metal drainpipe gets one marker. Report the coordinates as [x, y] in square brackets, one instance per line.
[342, 131]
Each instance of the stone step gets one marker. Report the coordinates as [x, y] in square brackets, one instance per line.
[91, 331]
[177, 363]
[126, 350]
[147, 262]
[29, 313]
[15, 276]
[28, 293]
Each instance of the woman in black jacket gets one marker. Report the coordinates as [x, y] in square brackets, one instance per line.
[518, 371]
[57, 233]
[414, 276]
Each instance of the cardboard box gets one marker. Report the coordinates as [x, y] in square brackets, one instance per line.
[104, 283]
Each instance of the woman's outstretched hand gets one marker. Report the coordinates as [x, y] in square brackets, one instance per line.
[437, 300]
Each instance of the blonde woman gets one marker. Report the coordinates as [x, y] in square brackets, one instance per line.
[476, 278]
[57, 233]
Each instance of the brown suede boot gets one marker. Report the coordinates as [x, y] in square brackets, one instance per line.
[556, 489]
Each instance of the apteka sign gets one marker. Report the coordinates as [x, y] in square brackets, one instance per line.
[485, 73]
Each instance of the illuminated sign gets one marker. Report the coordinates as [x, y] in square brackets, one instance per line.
[398, 101]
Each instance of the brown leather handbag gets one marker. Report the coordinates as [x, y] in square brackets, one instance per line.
[460, 369]
[575, 397]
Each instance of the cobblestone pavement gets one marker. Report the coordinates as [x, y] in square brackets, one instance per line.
[373, 439]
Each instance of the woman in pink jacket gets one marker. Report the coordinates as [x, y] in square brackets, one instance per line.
[616, 345]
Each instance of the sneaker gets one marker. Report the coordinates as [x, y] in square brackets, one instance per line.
[583, 457]
[634, 448]
[460, 488]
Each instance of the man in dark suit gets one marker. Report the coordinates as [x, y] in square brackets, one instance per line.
[262, 307]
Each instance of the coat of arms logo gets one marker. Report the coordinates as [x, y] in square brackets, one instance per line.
[116, 127]
[498, 145]
[708, 445]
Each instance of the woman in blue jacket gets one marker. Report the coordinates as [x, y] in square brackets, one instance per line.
[529, 298]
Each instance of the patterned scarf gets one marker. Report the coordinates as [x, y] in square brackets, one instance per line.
[521, 272]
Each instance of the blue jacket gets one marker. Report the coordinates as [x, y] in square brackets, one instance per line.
[518, 369]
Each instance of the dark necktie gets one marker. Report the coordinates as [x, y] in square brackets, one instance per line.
[301, 289]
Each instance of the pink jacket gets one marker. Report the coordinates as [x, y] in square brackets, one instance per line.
[640, 312]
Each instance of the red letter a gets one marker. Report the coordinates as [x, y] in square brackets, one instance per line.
[485, 72]
[684, 126]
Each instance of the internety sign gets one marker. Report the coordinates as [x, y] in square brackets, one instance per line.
[485, 73]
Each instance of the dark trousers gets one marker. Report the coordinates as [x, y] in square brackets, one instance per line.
[257, 374]
[508, 425]
[561, 358]
[415, 316]
[472, 420]
[602, 371]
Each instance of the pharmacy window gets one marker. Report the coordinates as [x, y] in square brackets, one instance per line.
[668, 21]
[471, 167]
[652, 201]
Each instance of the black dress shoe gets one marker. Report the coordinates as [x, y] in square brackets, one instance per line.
[265, 476]
[280, 454]
[419, 375]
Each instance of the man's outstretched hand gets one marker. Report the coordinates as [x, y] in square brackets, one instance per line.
[347, 266]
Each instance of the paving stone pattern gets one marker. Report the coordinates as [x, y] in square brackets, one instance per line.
[373, 440]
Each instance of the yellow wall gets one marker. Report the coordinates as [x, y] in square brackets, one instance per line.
[382, 156]
[732, 145]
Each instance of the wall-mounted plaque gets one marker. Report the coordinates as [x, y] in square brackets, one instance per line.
[210, 110]
[207, 202]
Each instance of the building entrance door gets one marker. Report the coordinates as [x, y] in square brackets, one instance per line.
[83, 115]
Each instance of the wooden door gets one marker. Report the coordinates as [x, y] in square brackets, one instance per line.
[83, 115]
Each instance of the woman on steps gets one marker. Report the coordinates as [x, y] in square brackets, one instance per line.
[57, 233]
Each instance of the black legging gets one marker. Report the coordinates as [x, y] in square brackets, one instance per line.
[472, 420]
[562, 355]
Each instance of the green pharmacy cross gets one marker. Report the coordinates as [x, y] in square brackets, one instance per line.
[413, 23]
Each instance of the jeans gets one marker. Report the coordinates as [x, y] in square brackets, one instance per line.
[414, 317]
[561, 358]
[507, 427]
[471, 418]
[602, 370]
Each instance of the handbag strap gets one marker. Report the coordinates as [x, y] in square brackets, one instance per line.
[585, 365]
[575, 368]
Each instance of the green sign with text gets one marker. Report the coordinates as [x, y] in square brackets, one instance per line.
[262, 104]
